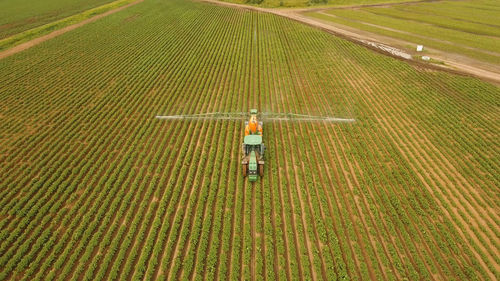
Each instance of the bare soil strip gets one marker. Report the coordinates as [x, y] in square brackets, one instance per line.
[34, 42]
[456, 64]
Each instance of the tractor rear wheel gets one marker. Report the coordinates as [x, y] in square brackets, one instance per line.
[261, 170]
[245, 167]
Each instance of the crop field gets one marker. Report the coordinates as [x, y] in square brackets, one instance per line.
[306, 3]
[93, 187]
[468, 28]
[20, 15]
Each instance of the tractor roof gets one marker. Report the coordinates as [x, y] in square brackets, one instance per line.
[253, 139]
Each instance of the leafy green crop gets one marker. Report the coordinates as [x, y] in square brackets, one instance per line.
[94, 187]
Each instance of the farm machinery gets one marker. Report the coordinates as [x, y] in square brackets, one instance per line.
[253, 147]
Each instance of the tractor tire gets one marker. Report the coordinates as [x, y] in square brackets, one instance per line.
[261, 170]
[245, 168]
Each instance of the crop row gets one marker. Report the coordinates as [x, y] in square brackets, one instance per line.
[97, 189]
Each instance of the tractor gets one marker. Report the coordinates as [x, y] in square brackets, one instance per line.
[253, 148]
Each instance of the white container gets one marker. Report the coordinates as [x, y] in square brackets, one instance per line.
[420, 48]
[426, 58]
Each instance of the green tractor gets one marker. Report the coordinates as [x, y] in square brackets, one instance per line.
[253, 148]
[253, 157]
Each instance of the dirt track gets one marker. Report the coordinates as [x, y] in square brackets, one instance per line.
[34, 42]
[454, 63]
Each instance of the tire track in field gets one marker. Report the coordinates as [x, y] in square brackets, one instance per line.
[233, 223]
[250, 103]
[242, 228]
[263, 238]
[273, 222]
[254, 232]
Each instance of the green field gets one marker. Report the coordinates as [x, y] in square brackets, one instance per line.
[20, 15]
[93, 187]
[305, 3]
[469, 28]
